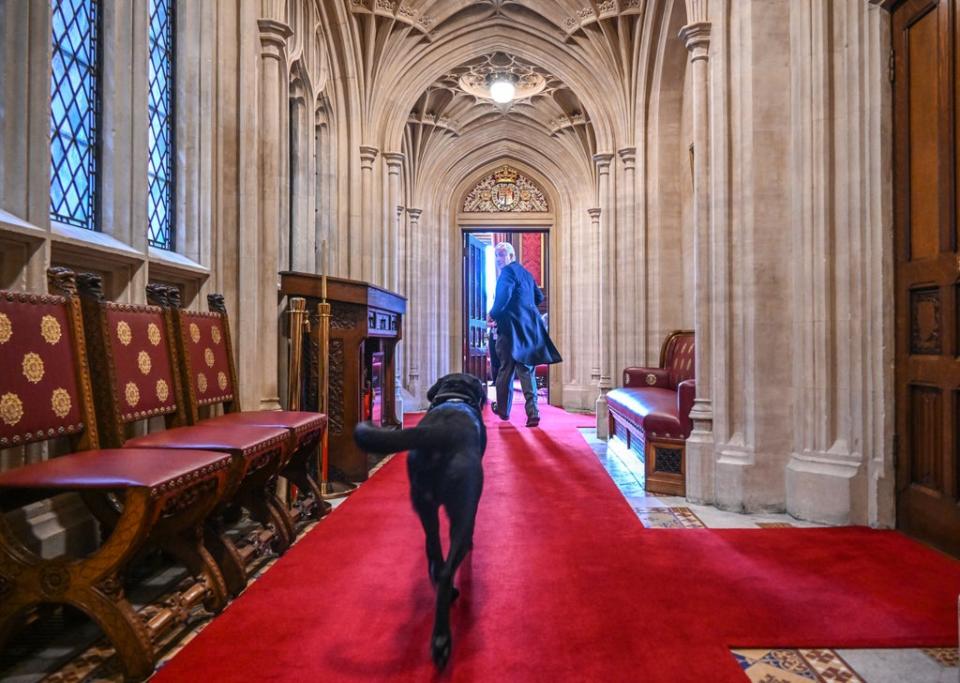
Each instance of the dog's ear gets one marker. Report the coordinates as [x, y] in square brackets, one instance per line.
[480, 389]
[432, 392]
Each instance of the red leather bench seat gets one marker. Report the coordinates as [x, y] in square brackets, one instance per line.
[241, 440]
[297, 421]
[653, 410]
[114, 468]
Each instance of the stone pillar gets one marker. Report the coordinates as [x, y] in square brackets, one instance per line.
[273, 110]
[391, 258]
[391, 241]
[371, 248]
[595, 305]
[605, 271]
[413, 326]
[630, 260]
[700, 445]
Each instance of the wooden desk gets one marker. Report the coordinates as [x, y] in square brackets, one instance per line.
[366, 325]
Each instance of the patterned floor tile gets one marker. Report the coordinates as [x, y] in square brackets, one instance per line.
[830, 666]
[783, 665]
[947, 657]
[775, 525]
[668, 517]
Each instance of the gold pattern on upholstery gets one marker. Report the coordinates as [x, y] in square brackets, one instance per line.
[38, 387]
[206, 356]
[142, 368]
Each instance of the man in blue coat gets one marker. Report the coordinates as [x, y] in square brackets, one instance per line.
[522, 339]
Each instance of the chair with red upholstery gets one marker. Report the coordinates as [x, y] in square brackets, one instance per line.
[133, 355]
[209, 378]
[650, 414]
[141, 497]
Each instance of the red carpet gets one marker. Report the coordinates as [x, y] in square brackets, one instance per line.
[565, 585]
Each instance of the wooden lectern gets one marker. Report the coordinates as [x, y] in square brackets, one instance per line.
[366, 325]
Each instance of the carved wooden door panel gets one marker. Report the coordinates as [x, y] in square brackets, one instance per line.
[474, 308]
[927, 271]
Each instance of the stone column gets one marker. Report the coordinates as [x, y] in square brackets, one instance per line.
[412, 326]
[273, 110]
[700, 445]
[604, 300]
[391, 258]
[595, 232]
[630, 259]
[371, 248]
[391, 241]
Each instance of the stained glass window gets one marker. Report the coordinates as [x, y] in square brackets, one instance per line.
[74, 112]
[160, 212]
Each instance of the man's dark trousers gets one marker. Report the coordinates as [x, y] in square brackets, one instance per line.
[508, 368]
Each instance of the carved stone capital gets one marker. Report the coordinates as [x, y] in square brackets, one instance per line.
[594, 214]
[414, 214]
[697, 39]
[394, 161]
[603, 161]
[273, 37]
[629, 157]
[367, 156]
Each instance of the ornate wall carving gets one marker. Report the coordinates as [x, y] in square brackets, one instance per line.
[505, 190]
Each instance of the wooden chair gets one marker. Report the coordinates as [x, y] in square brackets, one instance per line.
[209, 378]
[141, 496]
[133, 355]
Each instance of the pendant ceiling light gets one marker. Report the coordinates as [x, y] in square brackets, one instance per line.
[502, 88]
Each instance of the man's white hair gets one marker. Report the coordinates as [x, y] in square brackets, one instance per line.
[508, 249]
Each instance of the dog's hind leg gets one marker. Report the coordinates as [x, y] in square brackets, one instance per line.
[429, 514]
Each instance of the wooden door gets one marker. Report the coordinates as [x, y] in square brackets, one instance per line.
[927, 271]
[474, 307]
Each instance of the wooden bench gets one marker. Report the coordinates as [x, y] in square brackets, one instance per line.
[140, 496]
[650, 414]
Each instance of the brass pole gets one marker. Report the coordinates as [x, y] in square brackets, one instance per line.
[298, 325]
[323, 310]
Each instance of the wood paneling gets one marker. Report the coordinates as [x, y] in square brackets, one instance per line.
[927, 370]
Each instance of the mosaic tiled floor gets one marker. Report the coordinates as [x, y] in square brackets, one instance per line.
[775, 665]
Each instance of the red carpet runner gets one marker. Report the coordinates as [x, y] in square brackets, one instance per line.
[565, 585]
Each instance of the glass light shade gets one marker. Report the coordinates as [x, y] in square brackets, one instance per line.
[502, 90]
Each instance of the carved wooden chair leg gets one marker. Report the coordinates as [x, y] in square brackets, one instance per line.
[89, 584]
[297, 474]
[285, 519]
[265, 508]
[227, 556]
[187, 546]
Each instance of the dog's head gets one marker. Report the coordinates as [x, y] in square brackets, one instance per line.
[460, 386]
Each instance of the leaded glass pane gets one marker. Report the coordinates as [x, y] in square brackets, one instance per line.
[160, 107]
[74, 105]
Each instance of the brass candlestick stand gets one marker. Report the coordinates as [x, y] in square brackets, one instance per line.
[324, 310]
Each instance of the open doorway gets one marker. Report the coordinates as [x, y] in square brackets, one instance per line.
[479, 286]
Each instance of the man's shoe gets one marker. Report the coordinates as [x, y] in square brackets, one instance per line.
[493, 407]
[533, 421]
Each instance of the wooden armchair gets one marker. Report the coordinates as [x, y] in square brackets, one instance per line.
[140, 496]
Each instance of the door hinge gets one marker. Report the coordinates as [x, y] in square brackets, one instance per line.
[892, 65]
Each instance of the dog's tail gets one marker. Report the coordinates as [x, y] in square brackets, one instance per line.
[375, 439]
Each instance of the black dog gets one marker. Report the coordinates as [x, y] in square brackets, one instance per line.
[445, 469]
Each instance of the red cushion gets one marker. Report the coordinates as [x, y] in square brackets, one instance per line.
[298, 421]
[39, 397]
[205, 345]
[143, 383]
[244, 440]
[653, 410]
[112, 468]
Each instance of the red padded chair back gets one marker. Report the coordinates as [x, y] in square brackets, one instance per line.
[677, 357]
[210, 376]
[141, 376]
[44, 386]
